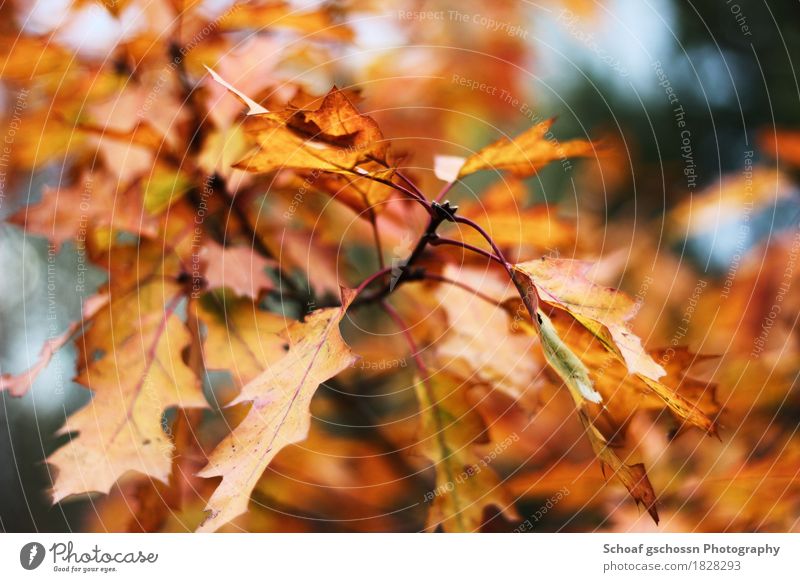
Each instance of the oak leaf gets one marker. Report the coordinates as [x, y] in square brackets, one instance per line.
[140, 376]
[63, 214]
[525, 154]
[576, 377]
[239, 336]
[334, 137]
[450, 429]
[279, 414]
[563, 284]
[238, 268]
[131, 357]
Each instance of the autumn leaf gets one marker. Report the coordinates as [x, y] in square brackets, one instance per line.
[732, 200]
[138, 331]
[566, 364]
[45, 139]
[240, 337]
[92, 203]
[450, 428]
[334, 137]
[576, 377]
[515, 226]
[479, 342]
[633, 477]
[599, 315]
[229, 206]
[279, 413]
[318, 23]
[604, 312]
[27, 56]
[121, 430]
[142, 504]
[363, 195]
[525, 154]
[238, 268]
[622, 394]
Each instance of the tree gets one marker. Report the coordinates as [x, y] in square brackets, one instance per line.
[233, 217]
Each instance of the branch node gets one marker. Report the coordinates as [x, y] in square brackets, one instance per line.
[444, 212]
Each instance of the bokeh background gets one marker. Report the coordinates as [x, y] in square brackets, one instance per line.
[694, 208]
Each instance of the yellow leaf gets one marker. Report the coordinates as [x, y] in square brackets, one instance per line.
[134, 382]
[566, 364]
[131, 357]
[28, 57]
[163, 187]
[252, 107]
[450, 427]
[502, 211]
[240, 337]
[633, 477]
[279, 415]
[690, 401]
[605, 312]
[576, 376]
[317, 24]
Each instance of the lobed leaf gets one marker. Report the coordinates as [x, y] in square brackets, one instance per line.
[525, 154]
[449, 429]
[279, 414]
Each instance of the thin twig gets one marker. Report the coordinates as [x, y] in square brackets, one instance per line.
[479, 229]
[443, 192]
[412, 344]
[376, 236]
[480, 295]
[411, 184]
[439, 240]
[372, 278]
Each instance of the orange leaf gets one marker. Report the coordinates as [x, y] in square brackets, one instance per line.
[527, 153]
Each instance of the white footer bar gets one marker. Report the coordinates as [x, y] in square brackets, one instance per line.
[401, 557]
